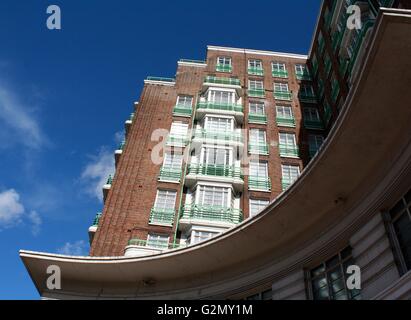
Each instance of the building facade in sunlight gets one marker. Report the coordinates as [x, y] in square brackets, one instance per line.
[267, 173]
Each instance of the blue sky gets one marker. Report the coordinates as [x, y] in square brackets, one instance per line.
[64, 97]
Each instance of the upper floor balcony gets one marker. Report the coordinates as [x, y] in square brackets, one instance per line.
[201, 136]
[209, 215]
[215, 173]
[210, 107]
[222, 82]
[162, 216]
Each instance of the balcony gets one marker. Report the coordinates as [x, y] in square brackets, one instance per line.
[256, 71]
[225, 82]
[223, 68]
[201, 136]
[220, 108]
[305, 75]
[182, 111]
[107, 187]
[128, 122]
[283, 95]
[257, 118]
[215, 173]
[280, 74]
[286, 183]
[160, 81]
[168, 174]
[138, 247]
[175, 140]
[163, 217]
[256, 93]
[288, 151]
[118, 152]
[286, 122]
[258, 148]
[307, 97]
[210, 214]
[259, 183]
[93, 228]
[315, 124]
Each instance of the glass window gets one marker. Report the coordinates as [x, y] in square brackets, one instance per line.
[221, 97]
[256, 64]
[179, 129]
[284, 112]
[400, 216]
[259, 169]
[225, 61]
[300, 68]
[199, 236]
[328, 280]
[166, 199]
[257, 136]
[280, 87]
[287, 139]
[256, 84]
[173, 160]
[185, 101]
[315, 141]
[256, 205]
[290, 173]
[306, 90]
[157, 240]
[216, 156]
[311, 114]
[216, 124]
[213, 196]
[278, 66]
[257, 108]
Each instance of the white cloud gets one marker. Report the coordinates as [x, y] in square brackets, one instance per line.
[17, 122]
[119, 137]
[95, 174]
[36, 222]
[78, 248]
[11, 210]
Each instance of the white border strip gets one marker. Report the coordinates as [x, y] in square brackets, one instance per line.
[192, 64]
[258, 52]
[163, 83]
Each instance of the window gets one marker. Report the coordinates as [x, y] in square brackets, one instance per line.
[257, 108]
[255, 64]
[284, 112]
[311, 114]
[223, 64]
[173, 160]
[279, 70]
[221, 97]
[259, 169]
[314, 142]
[256, 205]
[179, 129]
[399, 226]
[216, 156]
[255, 67]
[157, 241]
[280, 87]
[290, 173]
[213, 196]
[307, 90]
[224, 61]
[185, 101]
[301, 69]
[288, 145]
[215, 124]
[166, 200]
[328, 281]
[256, 85]
[265, 295]
[257, 136]
[199, 236]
